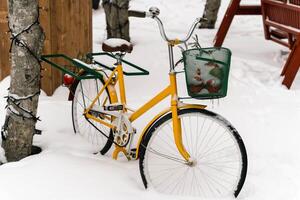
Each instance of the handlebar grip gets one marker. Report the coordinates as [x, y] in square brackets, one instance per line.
[135, 13]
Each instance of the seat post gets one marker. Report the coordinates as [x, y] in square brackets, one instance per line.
[119, 57]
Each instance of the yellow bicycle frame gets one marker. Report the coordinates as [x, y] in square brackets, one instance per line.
[170, 90]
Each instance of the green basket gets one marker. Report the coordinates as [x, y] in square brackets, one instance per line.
[206, 72]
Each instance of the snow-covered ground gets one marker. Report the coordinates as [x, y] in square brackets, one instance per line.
[264, 112]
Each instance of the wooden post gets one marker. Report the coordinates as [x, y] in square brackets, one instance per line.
[68, 28]
[46, 21]
[4, 41]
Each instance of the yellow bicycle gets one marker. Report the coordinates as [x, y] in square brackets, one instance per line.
[184, 150]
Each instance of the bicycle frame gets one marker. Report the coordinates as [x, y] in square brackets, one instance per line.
[109, 108]
[170, 90]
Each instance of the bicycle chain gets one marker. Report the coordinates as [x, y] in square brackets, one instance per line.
[108, 138]
[112, 140]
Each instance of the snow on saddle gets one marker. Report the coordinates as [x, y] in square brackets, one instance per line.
[117, 44]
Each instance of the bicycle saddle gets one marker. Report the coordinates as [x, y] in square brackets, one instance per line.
[117, 44]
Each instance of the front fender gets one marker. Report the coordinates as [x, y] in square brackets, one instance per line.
[158, 117]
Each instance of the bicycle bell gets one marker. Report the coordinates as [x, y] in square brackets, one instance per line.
[154, 11]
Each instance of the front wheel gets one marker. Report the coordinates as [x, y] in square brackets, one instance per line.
[219, 159]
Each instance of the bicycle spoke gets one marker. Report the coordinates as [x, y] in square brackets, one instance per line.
[166, 156]
[86, 91]
[217, 164]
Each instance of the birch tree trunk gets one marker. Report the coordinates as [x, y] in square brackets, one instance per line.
[19, 126]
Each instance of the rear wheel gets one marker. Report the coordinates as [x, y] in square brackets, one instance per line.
[219, 160]
[84, 92]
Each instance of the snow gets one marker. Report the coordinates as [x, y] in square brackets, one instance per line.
[90, 66]
[10, 108]
[2, 156]
[17, 97]
[264, 112]
[116, 42]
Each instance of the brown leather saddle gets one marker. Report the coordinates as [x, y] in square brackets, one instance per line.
[117, 45]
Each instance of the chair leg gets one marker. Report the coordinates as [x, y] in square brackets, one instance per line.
[287, 63]
[226, 22]
[292, 66]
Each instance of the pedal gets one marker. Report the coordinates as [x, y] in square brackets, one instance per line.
[113, 107]
[96, 114]
[133, 153]
[37, 132]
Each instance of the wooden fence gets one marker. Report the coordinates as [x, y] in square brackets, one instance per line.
[4, 41]
[68, 28]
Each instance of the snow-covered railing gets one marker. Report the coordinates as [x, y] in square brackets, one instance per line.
[53, 60]
[56, 60]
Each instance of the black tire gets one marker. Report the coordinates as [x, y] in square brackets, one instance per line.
[156, 152]
[90, 133]
[96, 4]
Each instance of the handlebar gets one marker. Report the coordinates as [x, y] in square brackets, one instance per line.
[178, 41]
[154, 12]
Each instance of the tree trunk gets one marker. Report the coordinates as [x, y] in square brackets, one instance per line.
[211, 13]
[19, 127]
[116, 12]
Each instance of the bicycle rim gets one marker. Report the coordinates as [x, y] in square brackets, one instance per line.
[86, 90]
[220, 159]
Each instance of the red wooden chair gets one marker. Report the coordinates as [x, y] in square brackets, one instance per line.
[281, 20]
[233, 9]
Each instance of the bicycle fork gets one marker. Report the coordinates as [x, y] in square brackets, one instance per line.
[177, 130]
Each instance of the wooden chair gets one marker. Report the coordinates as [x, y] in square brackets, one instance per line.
[233, 9]
[281, 19]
